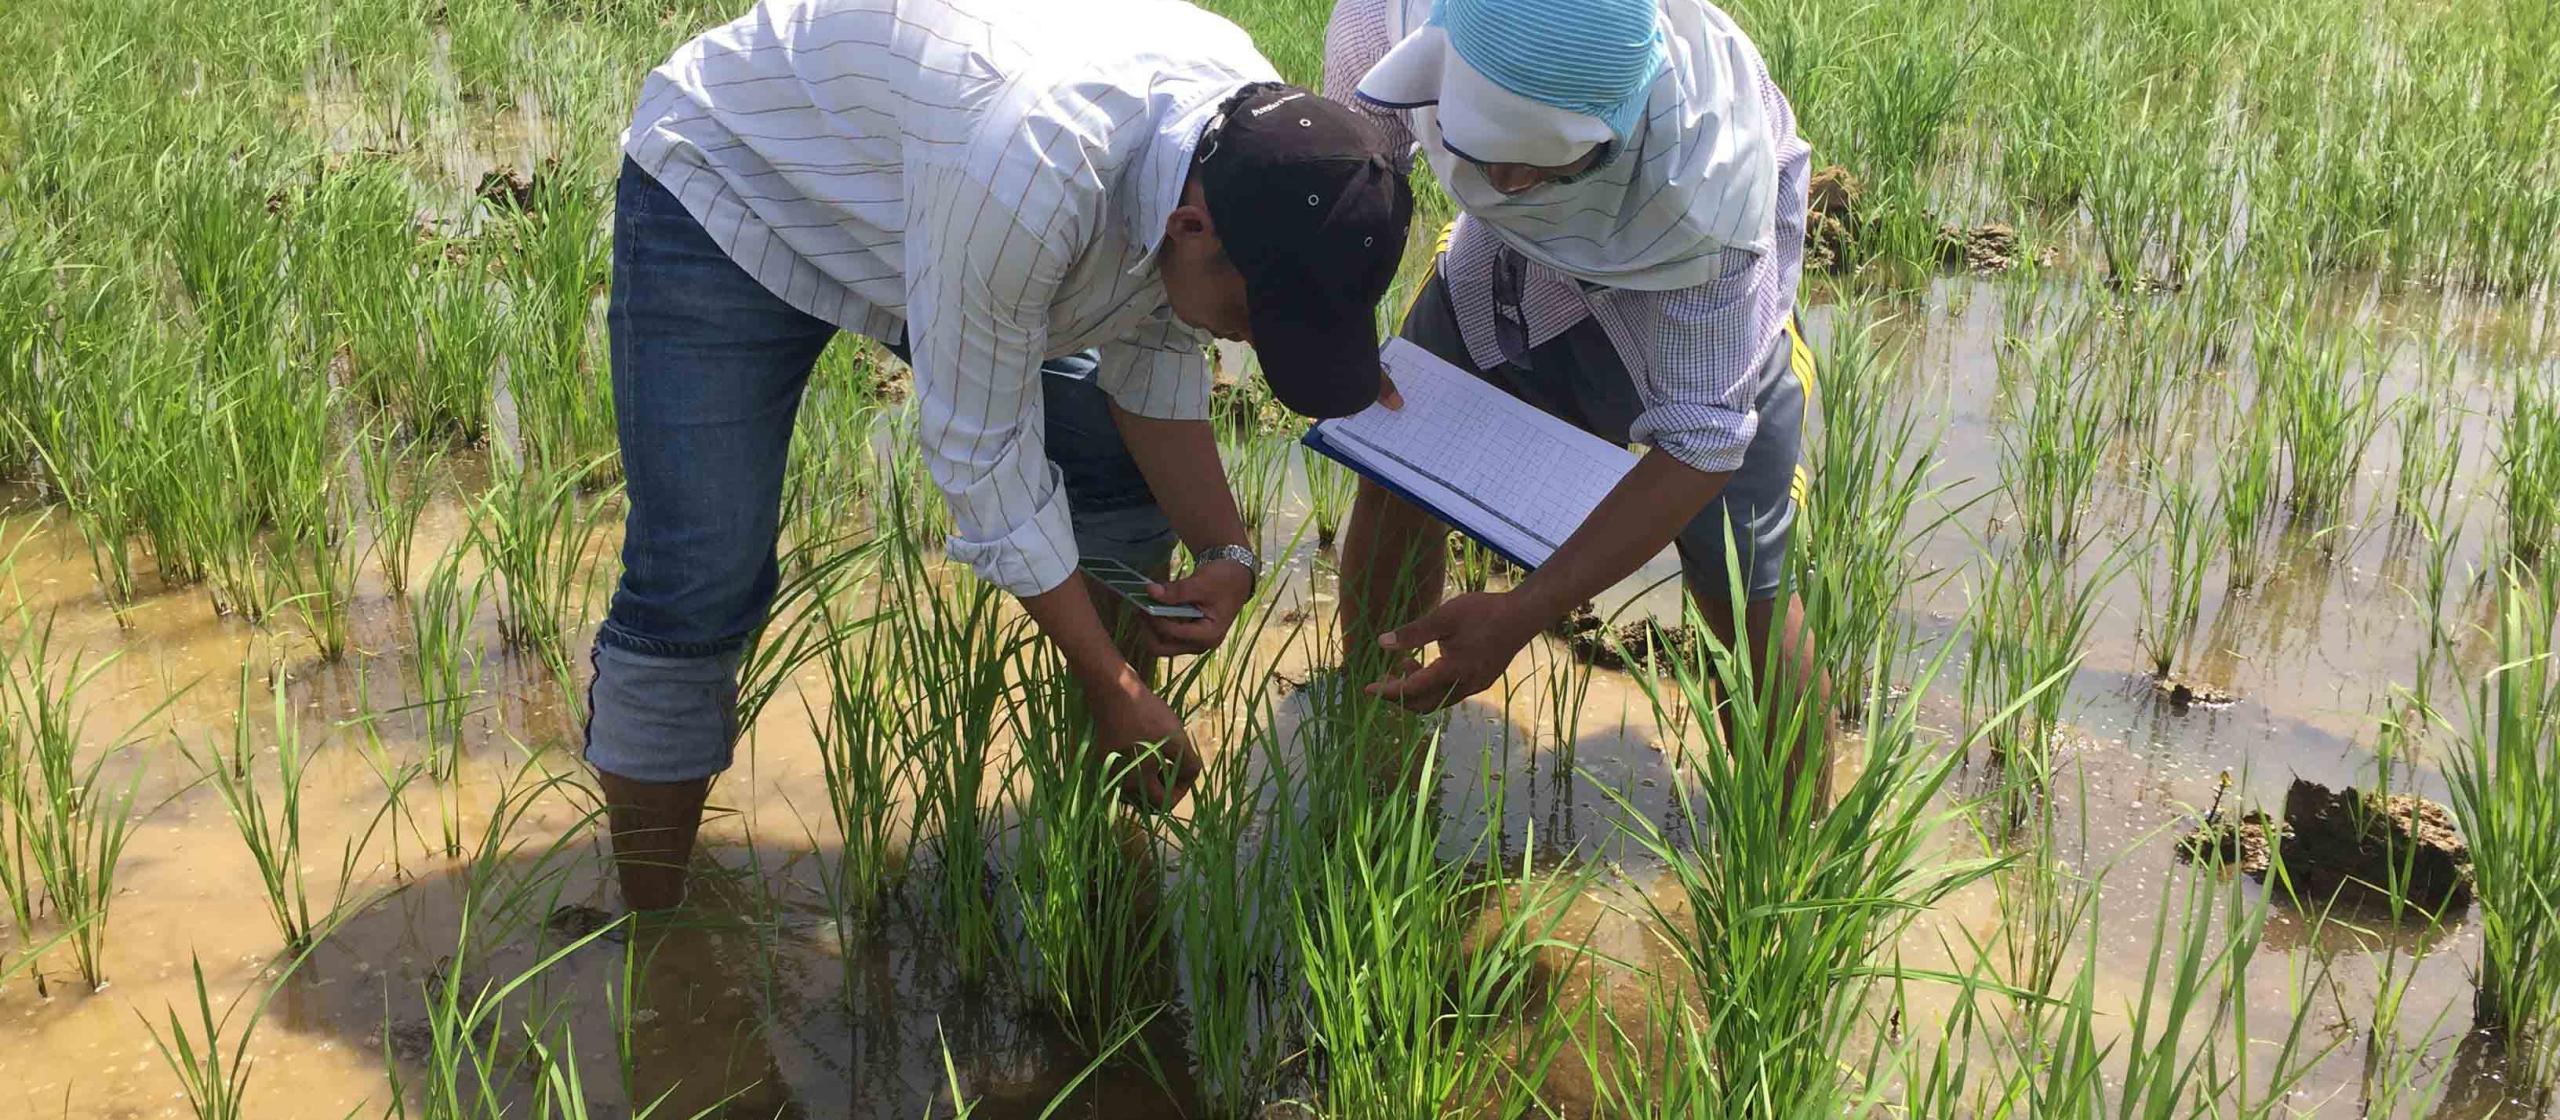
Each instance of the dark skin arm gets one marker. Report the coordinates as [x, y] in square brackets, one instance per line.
[1480, 633]
[1179, 459]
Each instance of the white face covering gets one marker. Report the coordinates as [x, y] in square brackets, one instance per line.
[1698, 175]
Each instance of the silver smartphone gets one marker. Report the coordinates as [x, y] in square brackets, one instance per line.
[1131, 584]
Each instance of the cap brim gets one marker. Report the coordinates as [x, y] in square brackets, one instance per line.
[1409, 74]
[1320, 364]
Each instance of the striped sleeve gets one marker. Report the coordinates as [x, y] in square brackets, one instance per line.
[979, 285]
[1354, 40]
[1158, 370]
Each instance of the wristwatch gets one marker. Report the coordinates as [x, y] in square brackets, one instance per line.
[1236, 552]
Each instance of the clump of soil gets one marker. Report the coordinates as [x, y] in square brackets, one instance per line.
[1992, 247]
[507, 189]
[2183, 695]
[2349, 840]
[2245, 843]
[1831, 216]
[1619, 648]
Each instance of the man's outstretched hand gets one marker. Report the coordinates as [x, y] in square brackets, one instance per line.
[1132, 722]
[1478, 635]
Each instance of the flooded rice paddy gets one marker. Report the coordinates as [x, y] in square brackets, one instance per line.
[749, 1007]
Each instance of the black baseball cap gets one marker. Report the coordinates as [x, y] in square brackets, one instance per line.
[1313, 213]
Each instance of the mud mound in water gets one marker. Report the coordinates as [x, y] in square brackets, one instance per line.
[1621, 648]
[2246, 842]
[1831, 216]
[511, 191]
[2182, 695]
[1992, 247]
[2346, 840]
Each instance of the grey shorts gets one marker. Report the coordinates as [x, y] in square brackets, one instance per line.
[1579, 377]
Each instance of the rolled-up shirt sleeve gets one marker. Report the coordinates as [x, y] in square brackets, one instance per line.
[979, 282]
[1705, 348]
[1157, 370]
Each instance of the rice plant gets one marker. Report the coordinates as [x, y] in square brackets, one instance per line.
[1330, 490]
[1083, 870]
[1789, 905]
[2505, 775]
[2330, 412]
[272, 830]
[864, 769]
[2049, 458]
[445, 664]
[2185, 538]
[2248, 488]
[69, 825]
[2428, 424]
[2529, 474]
[397, 491]
[952, 683]
[1230, 897]
[538, 532]
[1866, 477]
[1406, 1009]
[2031, 620]
[211, 1060]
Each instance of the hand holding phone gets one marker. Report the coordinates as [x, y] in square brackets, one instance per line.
[1131, 584]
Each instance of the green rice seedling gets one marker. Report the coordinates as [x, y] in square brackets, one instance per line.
[1866, 477]
[2248, 488]
[1231, 894]
[2505, 776]
[1404, 1006]
[2182, 1046]
[211, 1061]
[860, 760]
[445, 662]
[315, 567]
[952, 666]
[1790, 903]
[559, 264]
[537, 531]
[1257, 471]
[2429, 425]
[2329, 414]
[2185, 537]
[2030, 623]
[461, 329]
[2529, 474]
[475, 1067]
[800, 630]
[2049, 458]
[397, 492]
[272, 830]
[71, 827]
[1083, 873]
[1330, 490]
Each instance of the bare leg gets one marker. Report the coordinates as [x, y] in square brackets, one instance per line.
[1763, 624]
[1395, 560]
[653, 826]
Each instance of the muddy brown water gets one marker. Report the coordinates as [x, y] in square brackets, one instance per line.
[746, 999]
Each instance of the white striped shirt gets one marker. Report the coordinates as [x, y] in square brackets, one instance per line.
[988, 177]
[1696, 354]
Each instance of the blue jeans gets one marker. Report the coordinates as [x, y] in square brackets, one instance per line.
[708, 368]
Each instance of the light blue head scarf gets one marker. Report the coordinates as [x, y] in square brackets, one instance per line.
[1594, 57]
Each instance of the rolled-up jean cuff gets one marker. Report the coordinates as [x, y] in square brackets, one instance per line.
[662, 719]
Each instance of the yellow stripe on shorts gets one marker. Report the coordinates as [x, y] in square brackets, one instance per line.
[1800, 359]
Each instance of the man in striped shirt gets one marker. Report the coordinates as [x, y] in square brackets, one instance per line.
[1632, 197]
[994, 189]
